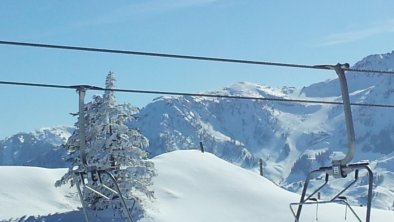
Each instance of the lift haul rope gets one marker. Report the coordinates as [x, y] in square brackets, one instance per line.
[95, 88]
[188, 57]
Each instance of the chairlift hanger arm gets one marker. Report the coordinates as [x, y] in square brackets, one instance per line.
[340, 165]
[339, 69]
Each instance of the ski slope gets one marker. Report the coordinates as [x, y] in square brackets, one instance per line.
[26, 191]
[191, 186]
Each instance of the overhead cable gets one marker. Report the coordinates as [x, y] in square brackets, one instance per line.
[188, 57]
[275, 99]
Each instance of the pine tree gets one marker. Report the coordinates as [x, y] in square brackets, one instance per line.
[110, 144]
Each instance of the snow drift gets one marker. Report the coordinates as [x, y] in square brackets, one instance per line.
[190, 186]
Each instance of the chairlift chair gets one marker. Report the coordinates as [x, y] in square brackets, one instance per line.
[339, 168]
[91, 177]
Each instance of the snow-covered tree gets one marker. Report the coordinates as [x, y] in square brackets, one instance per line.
[111, 145]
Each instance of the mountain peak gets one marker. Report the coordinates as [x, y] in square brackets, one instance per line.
[254, 90]
[356, 80]
[38, 148]
[57, 135]
[377, 61]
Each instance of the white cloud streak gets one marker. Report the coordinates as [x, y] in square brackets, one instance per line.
[146, 8]
[356, 35]
[170, 5]
[141, 10]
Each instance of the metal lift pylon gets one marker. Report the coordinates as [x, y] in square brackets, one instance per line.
[86, 174]
[340, 168]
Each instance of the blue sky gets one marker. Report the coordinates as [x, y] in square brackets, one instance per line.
[307, 32]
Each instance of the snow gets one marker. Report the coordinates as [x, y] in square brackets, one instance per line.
[21, 139]
[31, 191]
[194, 186]
[55, 135]
[191, 186]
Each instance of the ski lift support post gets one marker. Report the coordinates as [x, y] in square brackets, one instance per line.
[84, 172]
[340, 168]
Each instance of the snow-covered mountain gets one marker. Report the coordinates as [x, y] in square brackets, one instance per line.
[39, 148]
[190, 186]
[290, 138]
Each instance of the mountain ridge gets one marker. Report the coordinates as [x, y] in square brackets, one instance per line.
[291, 138]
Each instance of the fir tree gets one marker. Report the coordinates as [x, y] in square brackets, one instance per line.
[111, 145]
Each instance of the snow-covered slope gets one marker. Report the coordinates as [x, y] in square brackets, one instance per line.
[195, 187]
[190, 186]
[30, 191]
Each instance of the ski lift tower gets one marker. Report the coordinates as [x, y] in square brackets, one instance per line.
[339, 168]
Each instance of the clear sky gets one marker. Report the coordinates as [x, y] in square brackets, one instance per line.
[305, 31]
